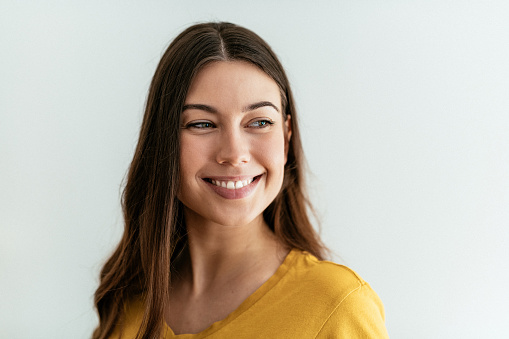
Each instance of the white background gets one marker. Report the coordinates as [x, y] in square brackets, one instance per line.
[404, 108]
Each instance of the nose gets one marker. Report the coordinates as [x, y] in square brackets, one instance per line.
[233, 148]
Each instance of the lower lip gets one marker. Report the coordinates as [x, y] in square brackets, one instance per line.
[238, 193]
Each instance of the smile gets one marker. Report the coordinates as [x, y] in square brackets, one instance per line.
[236, 188]
[232, 185]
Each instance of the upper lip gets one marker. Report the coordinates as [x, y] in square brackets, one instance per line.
[232, 178]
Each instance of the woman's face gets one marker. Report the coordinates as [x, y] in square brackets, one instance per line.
[233, 144]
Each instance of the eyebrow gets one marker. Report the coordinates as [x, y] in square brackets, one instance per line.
[252, 107]
[201, 107]
[248, 108]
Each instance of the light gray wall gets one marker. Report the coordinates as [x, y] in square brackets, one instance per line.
[404, 108]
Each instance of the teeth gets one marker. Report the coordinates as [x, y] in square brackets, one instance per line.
[231, 185]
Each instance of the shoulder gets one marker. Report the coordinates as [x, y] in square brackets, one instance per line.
[349, 306]
[131, 319]
[331, 278]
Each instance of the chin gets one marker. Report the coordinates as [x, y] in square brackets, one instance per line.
[238, 220]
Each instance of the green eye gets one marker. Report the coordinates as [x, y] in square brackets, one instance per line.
[200, 125]
[261, 123]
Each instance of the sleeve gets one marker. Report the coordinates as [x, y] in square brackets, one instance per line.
[359, 315]
[128, 328]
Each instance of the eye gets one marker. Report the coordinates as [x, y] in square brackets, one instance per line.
[200, 125]
[262, 123]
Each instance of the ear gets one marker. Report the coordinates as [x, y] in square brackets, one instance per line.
[287, 134]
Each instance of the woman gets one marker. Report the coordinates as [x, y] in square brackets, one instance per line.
[217, 239]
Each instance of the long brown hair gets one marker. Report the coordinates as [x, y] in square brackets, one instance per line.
[154, 229]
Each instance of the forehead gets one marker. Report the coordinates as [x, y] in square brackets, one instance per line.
[232, 83]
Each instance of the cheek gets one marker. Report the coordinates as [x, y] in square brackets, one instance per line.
[272, 152]
[192, 155]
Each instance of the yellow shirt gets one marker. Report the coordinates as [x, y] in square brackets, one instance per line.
[305, 298]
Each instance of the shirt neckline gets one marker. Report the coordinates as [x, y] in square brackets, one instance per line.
[244, 306]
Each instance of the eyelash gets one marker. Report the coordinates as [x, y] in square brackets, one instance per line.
[266, 123]
[263, 123]
[196, 124]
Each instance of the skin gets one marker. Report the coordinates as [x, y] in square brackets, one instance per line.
[231, 250]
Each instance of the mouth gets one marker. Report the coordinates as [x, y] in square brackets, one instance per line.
[232, 184]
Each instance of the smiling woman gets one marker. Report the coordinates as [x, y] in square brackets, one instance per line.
[233, 132]
[217, 240]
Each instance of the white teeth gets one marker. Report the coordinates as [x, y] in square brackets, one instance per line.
[232, 184]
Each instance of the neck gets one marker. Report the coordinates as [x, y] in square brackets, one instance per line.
[217, 255]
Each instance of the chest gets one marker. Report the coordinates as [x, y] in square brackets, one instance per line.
[185, 314]
[272, 316]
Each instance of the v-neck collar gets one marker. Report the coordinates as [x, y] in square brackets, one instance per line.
[244, 306]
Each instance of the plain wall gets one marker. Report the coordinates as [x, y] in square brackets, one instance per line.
[404, 109]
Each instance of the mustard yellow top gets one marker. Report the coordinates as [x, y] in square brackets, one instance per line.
[305, 298]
